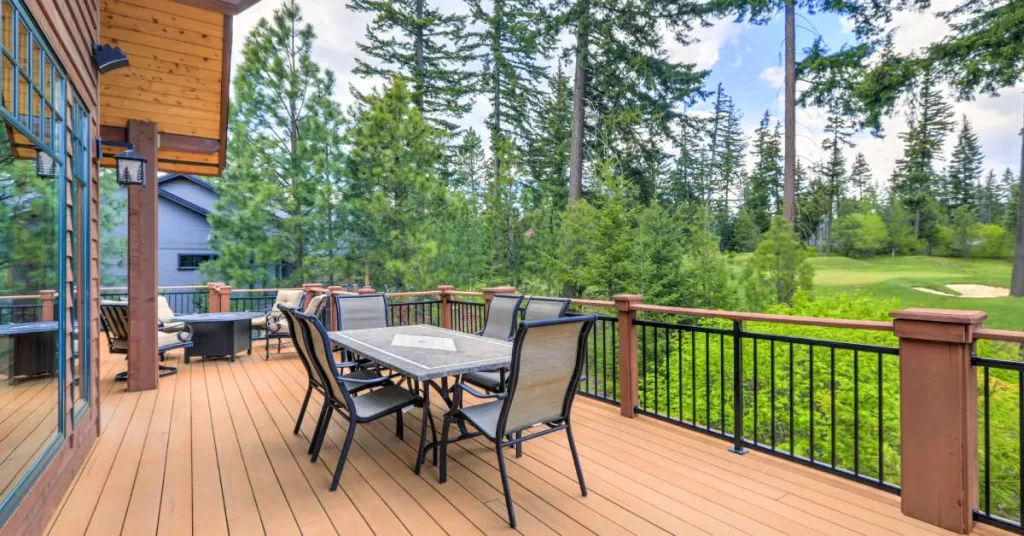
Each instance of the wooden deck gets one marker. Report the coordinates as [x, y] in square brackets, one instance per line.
[212, 452]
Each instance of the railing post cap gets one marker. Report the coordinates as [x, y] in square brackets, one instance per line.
[625, 302]
[500, 290]
[334, 288]
[445, 287]
[366, 290]
[945, 316]
[47, 293]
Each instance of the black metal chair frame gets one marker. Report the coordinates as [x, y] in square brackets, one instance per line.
[504, 439]
[165, 370]
[515, 318]
[342, 407]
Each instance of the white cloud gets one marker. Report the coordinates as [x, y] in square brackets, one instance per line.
[774, 76]
[709, 41]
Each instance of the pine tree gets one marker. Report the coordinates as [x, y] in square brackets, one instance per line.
[915, 178]
[429, 48]
[990, 200]
[762, 197]
[283, 123]
[860, 179]
[963, 177]
[1011, 212]
[833, 171]
[393, 189]
[627, 93]
[546, 157]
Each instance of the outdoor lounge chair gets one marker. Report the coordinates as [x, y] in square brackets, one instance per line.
[279, 327]
[547, 360]
[114, 317]
[384, 399]
[165, 316]
[294, 298]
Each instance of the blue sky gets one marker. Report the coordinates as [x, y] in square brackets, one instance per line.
[746, 59]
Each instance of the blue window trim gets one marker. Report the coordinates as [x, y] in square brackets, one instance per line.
[56, 149]
[80, 136]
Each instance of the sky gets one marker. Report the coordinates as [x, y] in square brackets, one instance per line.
[745, 59]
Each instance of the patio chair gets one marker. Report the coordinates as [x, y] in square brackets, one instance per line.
[547, 360]
[502, 317]
[384, 399]
[362, 311]
[279, 327]
[293, 298]
[165, 316]
[114, 318]
[543, 308]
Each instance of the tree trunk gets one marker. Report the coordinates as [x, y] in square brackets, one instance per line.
[789, 179]
[1017, 279]
[579, 86]
[418, 96]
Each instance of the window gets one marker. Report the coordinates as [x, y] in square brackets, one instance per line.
[190, 262]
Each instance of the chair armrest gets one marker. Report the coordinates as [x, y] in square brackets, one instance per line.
[462, 386]
[368, 381]
[185, 335]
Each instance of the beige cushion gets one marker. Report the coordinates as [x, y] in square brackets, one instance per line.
[163, 310]
[170, 339]
[290, 297]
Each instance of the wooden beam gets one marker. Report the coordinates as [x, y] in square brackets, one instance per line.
[225, 87]
[227, 7]
[168, 142]
[143, 370]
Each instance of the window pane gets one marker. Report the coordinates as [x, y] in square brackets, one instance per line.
[8, 31]
[48, 125]
[8, 90]
[23, 99]
[23, 45]
[45, 80]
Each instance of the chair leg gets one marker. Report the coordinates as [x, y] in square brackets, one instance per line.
[443, 467]
[505, 485]
[344, 454]
[318, 443]
[302, 411]
[399, 427]
[576, 459]
[266, 345]
[519, 445]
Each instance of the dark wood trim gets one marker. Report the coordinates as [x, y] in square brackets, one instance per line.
[227, 7]
[168, 142]
[225, 89]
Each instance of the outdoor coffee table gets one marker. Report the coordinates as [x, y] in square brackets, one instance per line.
[35, 349]
[427, 354]
[219, 335]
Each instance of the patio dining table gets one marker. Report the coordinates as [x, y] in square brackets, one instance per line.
[428, 355]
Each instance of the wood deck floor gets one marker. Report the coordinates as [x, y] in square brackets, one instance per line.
[212, 452]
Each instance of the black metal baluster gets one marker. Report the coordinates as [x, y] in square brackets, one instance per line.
[668, 374]
[832, 401]
[657, 384]
[773, 393]
[810, 404]
[856, 412]
[757, 388]
[693, 376]
[881, 429]
[988, 448]
[721, 382]
[792, 445]
[679, 354]
[707, 380]
[615, 373]
[604, 358]
[643, 358]
[737, 387]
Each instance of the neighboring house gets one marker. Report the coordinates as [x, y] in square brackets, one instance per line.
[185, 201]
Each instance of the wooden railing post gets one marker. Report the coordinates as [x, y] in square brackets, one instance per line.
[213, 297]
[224, 298]
[938, 416]
[446, 305]
[46, 299]
[628, 374]
[332, 306]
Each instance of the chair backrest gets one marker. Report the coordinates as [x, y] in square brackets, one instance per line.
[299, 342]
[547, 360]
[318, 344]
[163, 310]
[362, 311]
[544, 308]
[316, 306]
[290, 297]
[502, 315]
[114, 316]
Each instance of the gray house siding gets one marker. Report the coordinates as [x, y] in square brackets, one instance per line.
[182, 228]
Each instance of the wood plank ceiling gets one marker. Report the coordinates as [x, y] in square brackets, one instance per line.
[179, 54]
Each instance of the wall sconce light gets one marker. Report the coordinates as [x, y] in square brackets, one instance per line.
[131, 166]
[46, 165]
[108, 58]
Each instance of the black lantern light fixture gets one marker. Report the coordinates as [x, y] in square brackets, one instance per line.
[46, 165]
[131, 166]
[108, 58]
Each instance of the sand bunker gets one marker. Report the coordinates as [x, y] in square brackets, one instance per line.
[969, 291]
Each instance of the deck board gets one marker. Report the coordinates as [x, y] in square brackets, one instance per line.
[212, 452]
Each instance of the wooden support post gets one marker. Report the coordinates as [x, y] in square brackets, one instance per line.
[213, 297]
[224, 298]
[628, 375]
[446, 305]
[46, 299]
[142, 263]
[332, 306]
[938, 416]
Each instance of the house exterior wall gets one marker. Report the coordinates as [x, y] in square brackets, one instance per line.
[69, 27]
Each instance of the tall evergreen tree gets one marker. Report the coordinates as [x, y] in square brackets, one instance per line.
[283, 123]
[963, 177]
[915, 179]
[430, 48]
[860, 180]
[990, 199]
[833, 170]
[763, 197]
[546, 157]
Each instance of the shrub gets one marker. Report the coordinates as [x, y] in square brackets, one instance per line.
[861, 235]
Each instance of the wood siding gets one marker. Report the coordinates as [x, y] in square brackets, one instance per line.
[178, 55]
[70, 27]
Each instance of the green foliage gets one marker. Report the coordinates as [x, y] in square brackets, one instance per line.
[963, 224]
[960, 189]
[993, 242]
[113, 248]
[778, 268]
[763, 195]
[746, 233]
[860, 235]
[28, 235]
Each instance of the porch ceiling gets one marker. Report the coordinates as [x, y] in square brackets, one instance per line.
[180, 56]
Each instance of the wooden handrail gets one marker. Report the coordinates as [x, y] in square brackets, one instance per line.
[22, 297]
[875, 325]
[411, 294]
[999, 335]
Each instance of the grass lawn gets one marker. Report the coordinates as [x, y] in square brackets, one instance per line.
[890, 277]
